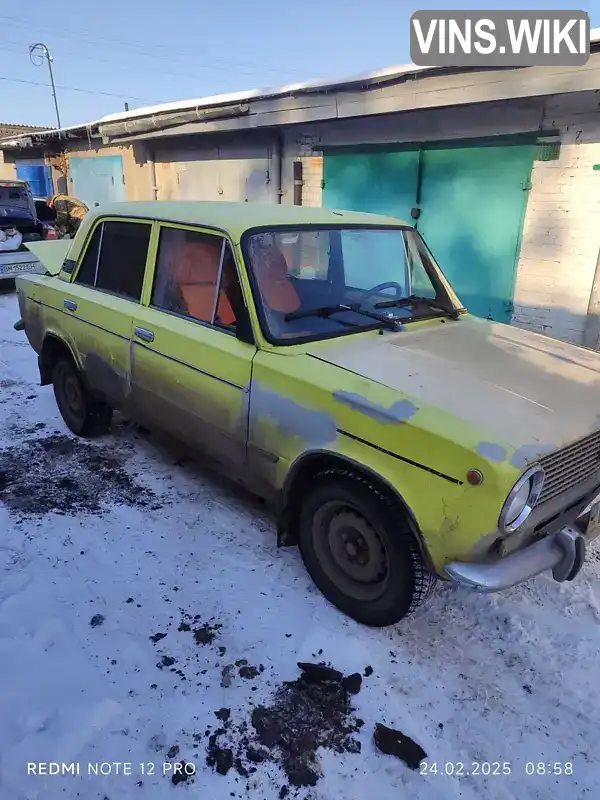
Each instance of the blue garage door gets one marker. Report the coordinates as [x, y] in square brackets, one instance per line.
[471, 197]
[38, 177]
[97, 179]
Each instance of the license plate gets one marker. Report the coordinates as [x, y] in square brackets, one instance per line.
[26, 267]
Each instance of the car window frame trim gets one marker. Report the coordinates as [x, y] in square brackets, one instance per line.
[227, 240]
[84, 249]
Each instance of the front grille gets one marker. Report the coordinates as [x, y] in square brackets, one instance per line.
[567, 467]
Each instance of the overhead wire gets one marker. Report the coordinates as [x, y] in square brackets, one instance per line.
[78, 89]
[159, 70]
[149, 49]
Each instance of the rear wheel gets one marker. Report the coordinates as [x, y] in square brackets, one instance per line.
[81, 413]
[360, 551]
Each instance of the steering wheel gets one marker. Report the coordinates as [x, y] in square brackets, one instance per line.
[381, 286]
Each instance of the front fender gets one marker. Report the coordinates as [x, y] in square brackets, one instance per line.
[318, 460]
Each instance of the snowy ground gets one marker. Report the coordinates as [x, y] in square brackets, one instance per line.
[119, 533]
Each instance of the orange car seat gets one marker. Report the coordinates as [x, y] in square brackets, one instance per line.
[277, 290]
[230, 295]
[196, 274]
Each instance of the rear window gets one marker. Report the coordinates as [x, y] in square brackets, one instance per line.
[14, 196]
[115, 259]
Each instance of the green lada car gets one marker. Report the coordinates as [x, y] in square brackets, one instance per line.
[322, 359]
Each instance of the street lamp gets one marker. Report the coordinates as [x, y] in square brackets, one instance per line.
[41, 52]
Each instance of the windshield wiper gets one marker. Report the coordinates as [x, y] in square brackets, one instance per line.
[404, 301]
[327, 311]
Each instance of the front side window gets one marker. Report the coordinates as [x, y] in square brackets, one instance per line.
[318, 282]
[196, 277]
[115, 258]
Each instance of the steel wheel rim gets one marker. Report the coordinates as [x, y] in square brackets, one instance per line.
[72, 396]
[350, 550]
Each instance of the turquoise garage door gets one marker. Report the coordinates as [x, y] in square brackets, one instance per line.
[472, 200]
[97, 179]
[380, 183]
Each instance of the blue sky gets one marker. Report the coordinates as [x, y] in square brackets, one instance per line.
[143, 53]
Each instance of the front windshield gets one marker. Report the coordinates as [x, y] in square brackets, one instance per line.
[321, 282]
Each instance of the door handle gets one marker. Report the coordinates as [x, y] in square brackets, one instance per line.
[144, 334]
[71, 305]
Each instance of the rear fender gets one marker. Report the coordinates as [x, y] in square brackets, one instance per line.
[52, 348]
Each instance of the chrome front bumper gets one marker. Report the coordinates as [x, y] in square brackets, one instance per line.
[563, 553]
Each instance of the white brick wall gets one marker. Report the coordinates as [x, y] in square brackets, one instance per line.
[312, 173]
[561, 233]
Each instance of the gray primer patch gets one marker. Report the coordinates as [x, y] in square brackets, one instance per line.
[313, 427]
[491, 451]
[400, 411]
[566, 359]
[529, 453]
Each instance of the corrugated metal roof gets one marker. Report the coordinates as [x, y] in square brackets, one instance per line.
[20, 125]
[389, 73]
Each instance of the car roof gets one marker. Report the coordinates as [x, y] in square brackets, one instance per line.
[235, 218]
[12, 182]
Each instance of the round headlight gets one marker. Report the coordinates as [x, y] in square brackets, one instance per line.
[521, 499]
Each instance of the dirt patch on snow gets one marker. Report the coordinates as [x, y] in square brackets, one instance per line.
[66, 476]
[305, 714]
[201, 633]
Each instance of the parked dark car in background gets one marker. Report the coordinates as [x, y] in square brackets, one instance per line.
[19, 225]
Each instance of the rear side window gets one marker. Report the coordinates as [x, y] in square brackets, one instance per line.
[115, 259]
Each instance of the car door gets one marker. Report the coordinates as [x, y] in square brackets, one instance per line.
[99, 303]
[190, 373]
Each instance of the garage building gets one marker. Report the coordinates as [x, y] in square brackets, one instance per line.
[498, 168]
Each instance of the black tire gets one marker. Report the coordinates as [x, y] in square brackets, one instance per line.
[81, 413]
[360, 551]
[7, 285]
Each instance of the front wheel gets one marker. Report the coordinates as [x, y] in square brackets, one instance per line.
[82, 415]
[359, 550]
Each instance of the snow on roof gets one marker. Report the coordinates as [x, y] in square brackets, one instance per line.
[254, 94]
[236, 97]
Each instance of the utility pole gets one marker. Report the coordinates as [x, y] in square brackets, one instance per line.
[41, 51]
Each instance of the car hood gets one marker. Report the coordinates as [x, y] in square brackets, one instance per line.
[528, 391]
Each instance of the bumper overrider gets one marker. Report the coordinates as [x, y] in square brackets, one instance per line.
[563, 553]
